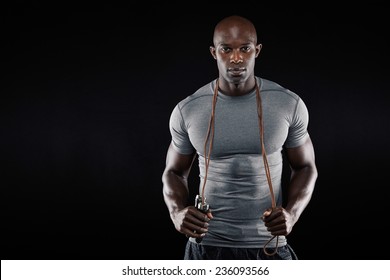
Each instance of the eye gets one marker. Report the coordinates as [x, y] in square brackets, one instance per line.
[225, 49]
[246, 49]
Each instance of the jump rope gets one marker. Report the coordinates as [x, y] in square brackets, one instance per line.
[207, 151]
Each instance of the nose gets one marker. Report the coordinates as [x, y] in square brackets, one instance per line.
[236, 57]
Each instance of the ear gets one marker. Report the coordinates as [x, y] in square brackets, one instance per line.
[258, 49]
[213, 52]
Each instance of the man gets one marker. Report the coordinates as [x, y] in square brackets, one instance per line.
[239, 125]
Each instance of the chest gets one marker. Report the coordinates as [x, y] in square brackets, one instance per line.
[236, 129]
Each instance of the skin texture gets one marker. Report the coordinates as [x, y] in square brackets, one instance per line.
[235, 50]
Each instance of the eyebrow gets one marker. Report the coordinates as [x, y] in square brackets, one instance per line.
[224, 45]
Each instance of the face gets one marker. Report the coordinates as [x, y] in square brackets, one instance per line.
[235, 50]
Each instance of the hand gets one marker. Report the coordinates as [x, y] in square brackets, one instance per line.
[278, 221]
[191, 222]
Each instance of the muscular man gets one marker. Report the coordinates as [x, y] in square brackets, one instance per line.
[238, 126]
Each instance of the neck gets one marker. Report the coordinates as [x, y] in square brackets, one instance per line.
[238, 89]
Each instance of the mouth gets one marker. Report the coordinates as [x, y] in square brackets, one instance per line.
[236, 71]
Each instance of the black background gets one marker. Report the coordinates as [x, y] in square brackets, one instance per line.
[86, 95]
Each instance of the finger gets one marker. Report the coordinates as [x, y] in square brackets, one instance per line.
[199, 214]
[195, 221]
[192, 227]
[279, 232]
[274, 215]
[196, 232]
[276, 228]
[267, 212]
[195, 235]
[275, 220]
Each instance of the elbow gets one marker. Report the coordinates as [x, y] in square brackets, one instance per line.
[170, 178]
[165, 180]
[315, 172]
[164, 177]
[312, 172]
[313, 175]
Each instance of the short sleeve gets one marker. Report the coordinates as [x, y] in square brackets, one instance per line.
[297, 133]
[180, 139]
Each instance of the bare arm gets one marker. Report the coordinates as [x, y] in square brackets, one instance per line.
[303, 177]
[300, 189]
[187, 219]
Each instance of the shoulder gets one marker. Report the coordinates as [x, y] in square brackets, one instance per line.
[202, 94]
[276, 90]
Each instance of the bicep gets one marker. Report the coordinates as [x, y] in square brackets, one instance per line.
[179, 163]
[301, 156]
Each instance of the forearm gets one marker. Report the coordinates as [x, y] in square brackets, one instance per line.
[175, 191]
[300, 190]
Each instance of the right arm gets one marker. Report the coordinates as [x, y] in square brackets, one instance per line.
[187, 219]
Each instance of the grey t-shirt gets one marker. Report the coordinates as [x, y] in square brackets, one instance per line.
[236, 187]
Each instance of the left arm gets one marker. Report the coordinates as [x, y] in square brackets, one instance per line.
[280, 221]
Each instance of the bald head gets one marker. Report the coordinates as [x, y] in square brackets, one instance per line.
[233, 27]
[235, 50]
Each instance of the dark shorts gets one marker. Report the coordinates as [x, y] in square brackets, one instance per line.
[195, 251]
